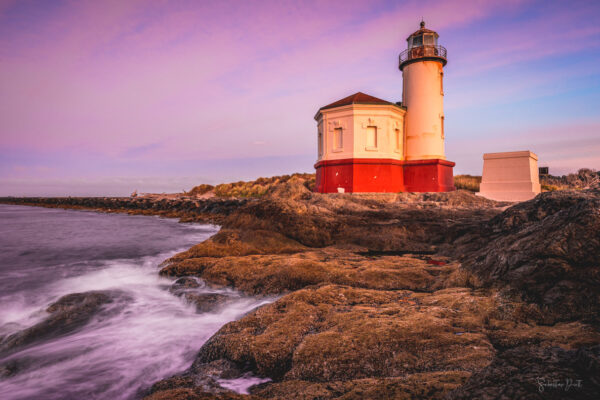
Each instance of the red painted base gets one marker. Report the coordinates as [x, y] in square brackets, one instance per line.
[372, 175]
[429, 176]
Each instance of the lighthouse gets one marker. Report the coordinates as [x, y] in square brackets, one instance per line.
[366, 144]
[422, 65]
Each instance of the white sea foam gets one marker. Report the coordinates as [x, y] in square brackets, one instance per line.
[243, 383]
[151, 335]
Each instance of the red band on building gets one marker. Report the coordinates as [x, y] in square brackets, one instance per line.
[370, 175]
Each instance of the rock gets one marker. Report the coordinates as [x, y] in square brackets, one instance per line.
[10, 368]
[277, 273]
[68, 314]
[186, 282]
[205, 385]
[536, 373]
[389, 295]
[332, 341]
[376, 221]
[428, 385]
[218, 369]
[545, 250]
[228, 242]
[207, 302]
[183, 284]
[340, 333]
[200, 382]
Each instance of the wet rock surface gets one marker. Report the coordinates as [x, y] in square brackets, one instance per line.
[67, 314]
[191, 289]
[187, 282]
[207, 302]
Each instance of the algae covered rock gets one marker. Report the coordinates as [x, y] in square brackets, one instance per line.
[334, 332]
[547, 250]
[267, 274]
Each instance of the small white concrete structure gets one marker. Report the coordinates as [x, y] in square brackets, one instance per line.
[510, 176]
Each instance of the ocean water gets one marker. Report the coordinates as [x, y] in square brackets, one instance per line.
[149, 334]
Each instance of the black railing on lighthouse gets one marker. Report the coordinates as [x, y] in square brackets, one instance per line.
[423, 52]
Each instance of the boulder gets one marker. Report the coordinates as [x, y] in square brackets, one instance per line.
[67, 314]
[186, 282]
[546, 250]
[207, 302]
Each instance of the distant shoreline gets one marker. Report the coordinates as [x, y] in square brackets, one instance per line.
[187, 209]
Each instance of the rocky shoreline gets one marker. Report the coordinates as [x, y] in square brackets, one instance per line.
[186, 208]
[396, 296]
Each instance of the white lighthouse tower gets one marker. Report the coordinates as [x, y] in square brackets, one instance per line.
[423, 95]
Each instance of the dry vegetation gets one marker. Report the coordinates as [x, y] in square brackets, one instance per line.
[585, 178]
[257, 188]
[467, 182]
[199, 190]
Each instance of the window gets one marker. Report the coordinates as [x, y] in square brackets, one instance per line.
[320, 143]
[442, 126]
[371, 137]
[397, 139]
[338, 140]
[428, 40]
[442, 83]
[417, 41]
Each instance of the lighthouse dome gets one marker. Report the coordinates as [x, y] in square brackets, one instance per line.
[423, 46]
[423, 36]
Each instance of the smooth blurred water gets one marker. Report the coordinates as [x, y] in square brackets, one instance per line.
[48, 253]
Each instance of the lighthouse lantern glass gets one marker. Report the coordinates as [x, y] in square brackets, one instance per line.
[417, 41]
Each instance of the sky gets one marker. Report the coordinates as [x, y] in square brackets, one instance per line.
[105, 97]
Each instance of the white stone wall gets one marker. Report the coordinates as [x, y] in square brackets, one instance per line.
[355, 121]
